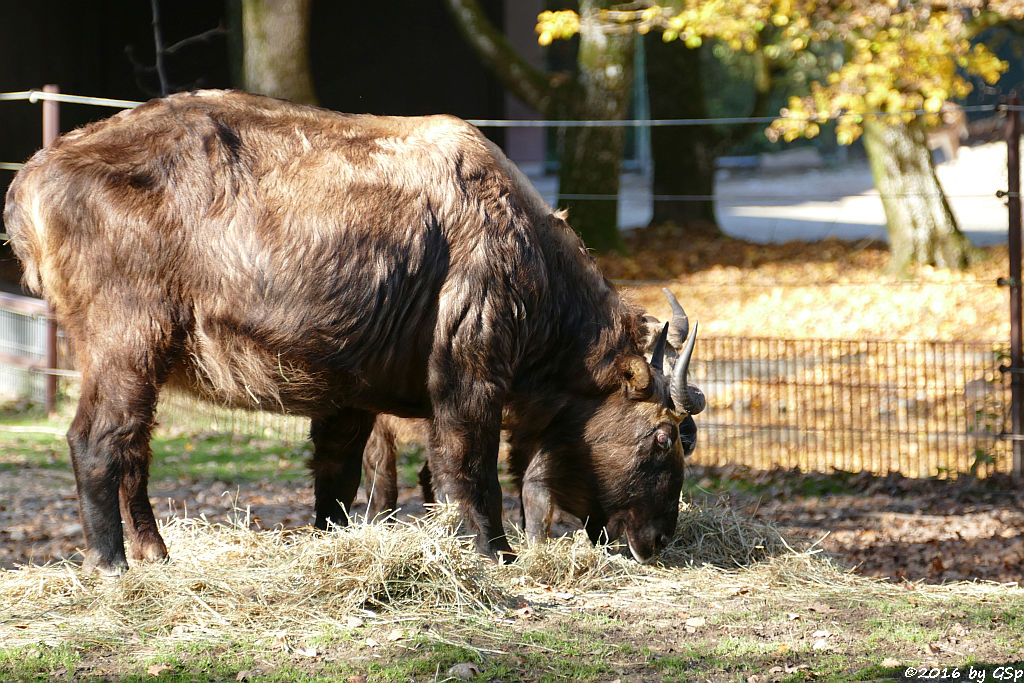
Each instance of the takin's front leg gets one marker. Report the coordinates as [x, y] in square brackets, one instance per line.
[463, 457]
[464, 468]
[338, 444]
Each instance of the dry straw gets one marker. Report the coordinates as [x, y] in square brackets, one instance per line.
[228, 580]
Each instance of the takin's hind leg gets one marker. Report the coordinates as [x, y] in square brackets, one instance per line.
[109, 444]
[338, 444]
[144, 541]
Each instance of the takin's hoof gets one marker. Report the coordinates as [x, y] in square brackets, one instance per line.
[153, 550]
[103, 567]
[505, 557]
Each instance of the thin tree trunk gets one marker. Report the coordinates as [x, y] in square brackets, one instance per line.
[922, 228]
[275, 35]
[683, 156]
[591, 158]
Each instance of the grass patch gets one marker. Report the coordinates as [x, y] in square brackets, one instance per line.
[43, 661]
[226, 457]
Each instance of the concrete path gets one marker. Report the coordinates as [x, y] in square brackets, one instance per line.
[812, 203]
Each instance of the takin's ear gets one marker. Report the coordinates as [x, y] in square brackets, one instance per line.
[636, 374]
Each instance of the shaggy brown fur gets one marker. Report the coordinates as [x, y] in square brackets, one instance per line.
[264, 254]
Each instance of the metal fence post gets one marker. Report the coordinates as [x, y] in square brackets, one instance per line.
[1016, 368]
[51, 129]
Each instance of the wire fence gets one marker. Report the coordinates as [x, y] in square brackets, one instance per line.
[921, 408]
[918, 408]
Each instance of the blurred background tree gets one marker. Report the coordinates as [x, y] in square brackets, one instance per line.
[888, 69]
[275, 49]
[598, 88]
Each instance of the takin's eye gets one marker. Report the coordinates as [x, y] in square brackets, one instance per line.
[664, 437]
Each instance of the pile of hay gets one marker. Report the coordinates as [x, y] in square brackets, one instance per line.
[720, 536]
[227, 579]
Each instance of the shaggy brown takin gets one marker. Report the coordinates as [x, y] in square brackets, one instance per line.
[263, 254]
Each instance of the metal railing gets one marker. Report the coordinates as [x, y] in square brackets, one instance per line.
[919, 408]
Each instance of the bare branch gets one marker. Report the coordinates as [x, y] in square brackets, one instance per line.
[198, 38]
[528, 83]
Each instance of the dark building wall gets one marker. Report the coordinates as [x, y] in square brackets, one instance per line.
[402, 57]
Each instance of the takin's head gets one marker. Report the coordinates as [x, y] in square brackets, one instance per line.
[635, 441]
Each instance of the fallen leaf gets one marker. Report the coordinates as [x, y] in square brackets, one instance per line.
[792, 616]
[820, 644]
[465, 671]
[525, 612]
[696, 622]
[821, 634]
[370, 642]
[396, 635]
[157, 669]
[354, 622]
[890, 663]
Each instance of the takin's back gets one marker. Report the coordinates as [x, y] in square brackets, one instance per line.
[259, 252]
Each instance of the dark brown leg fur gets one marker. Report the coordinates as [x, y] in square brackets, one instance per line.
[338, 444]
[109, 444]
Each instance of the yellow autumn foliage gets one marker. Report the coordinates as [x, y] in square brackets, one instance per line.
[898, 57]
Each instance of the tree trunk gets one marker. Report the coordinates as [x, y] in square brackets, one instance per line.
[591, 158]
[922, 229]
[275, 36]
[683, 156]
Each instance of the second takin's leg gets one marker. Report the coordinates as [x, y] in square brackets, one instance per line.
[537, 504]
[338, 444]
[379, 458]
[427, 483]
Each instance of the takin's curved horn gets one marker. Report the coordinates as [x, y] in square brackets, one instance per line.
[687, 399]
[680, 323]
[658, 350]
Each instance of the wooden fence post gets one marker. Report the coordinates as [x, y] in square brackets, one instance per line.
[51, 130]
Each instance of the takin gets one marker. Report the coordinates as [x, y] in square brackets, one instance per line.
[257, 253]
